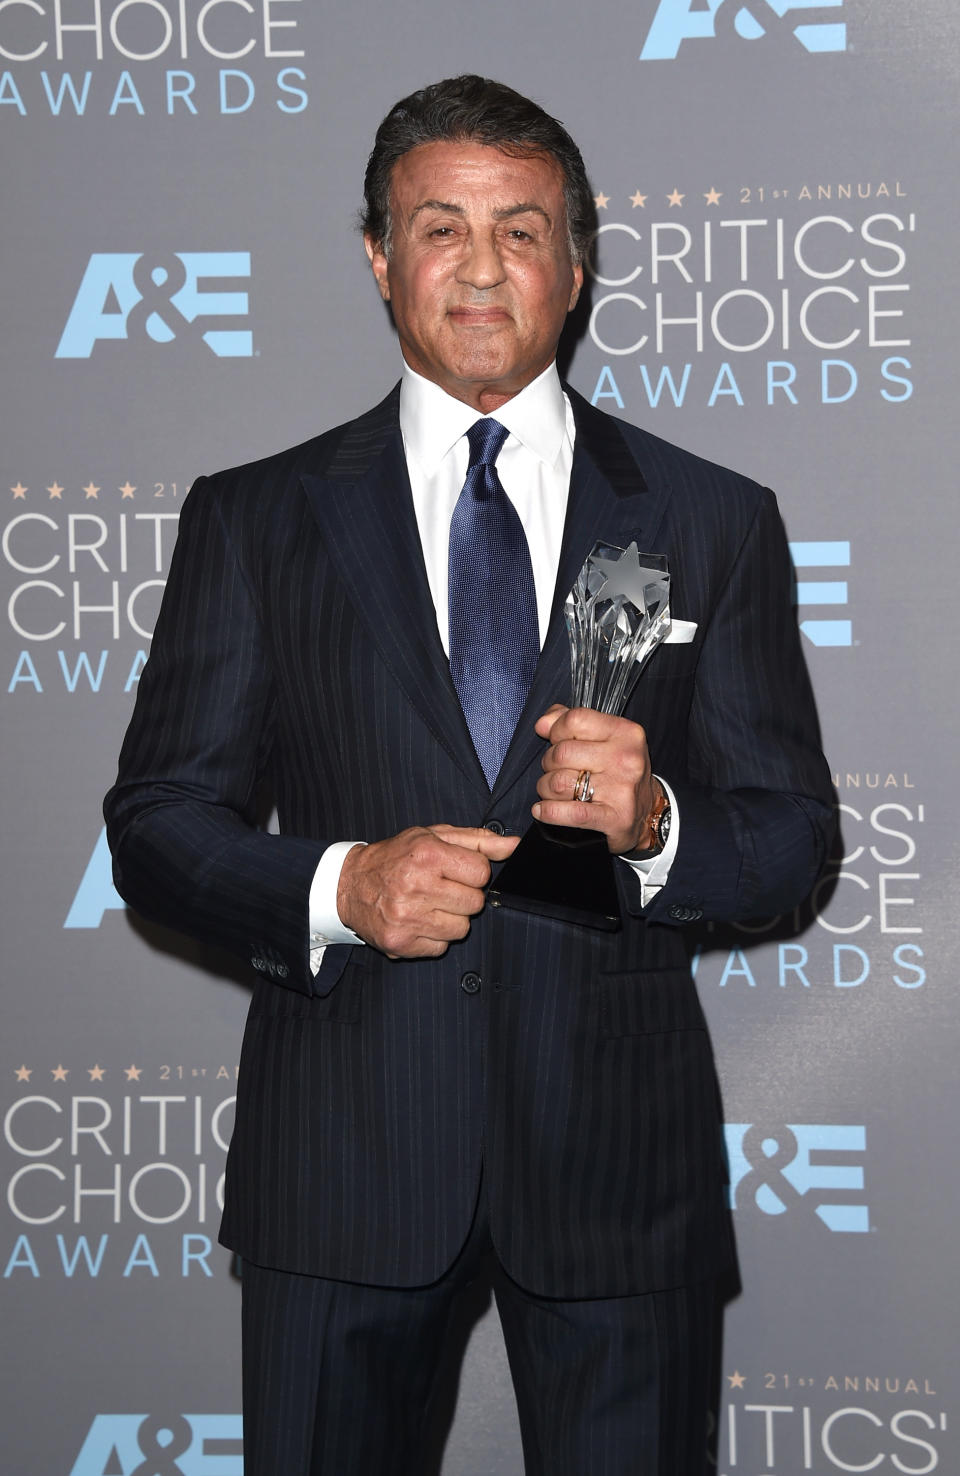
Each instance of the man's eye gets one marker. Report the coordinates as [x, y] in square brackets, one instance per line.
[442, 231]
[517, 234]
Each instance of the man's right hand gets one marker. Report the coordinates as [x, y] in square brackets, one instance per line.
[413, 895]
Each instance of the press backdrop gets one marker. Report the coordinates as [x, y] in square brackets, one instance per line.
[773, 286]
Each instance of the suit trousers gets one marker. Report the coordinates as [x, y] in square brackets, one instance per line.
[337, 1377]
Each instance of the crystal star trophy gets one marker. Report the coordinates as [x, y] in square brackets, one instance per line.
[616, 615]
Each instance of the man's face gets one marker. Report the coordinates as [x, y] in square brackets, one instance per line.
[479, 276]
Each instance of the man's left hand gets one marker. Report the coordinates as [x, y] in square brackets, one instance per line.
[614, 750]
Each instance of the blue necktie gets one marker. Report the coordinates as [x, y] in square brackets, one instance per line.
[492, 603]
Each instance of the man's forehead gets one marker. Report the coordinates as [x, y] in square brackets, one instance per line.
[453, 171]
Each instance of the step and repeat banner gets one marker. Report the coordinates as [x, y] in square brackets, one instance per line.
[772, 285]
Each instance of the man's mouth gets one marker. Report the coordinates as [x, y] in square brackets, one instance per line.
[478, 317]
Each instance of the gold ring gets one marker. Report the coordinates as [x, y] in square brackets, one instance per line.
[583, 789]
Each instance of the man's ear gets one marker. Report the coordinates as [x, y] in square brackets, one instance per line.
[577, 284]
[379, 265]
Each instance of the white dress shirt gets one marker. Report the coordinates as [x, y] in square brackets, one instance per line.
[534, 468]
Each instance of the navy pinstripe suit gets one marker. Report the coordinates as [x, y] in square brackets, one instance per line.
[298, 643]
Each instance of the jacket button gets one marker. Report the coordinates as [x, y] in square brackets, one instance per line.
[470, 983]
[680, 913]
[497, 826]
[282, 971]
[258, 964]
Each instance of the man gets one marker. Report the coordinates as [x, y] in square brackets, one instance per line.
[373, 622]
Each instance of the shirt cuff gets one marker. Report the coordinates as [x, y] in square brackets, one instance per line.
[324, 920]
[654, 872]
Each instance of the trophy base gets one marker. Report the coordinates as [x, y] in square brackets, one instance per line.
[562, 872]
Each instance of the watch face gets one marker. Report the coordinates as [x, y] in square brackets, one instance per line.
[663, 826]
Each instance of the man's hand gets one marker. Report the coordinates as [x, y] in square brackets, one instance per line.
[414, 894]
[614, 750]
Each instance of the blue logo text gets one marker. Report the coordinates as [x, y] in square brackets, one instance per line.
[677, 21]
[823, 591]
[181, 1445]
[130, 295]
[783, 1167]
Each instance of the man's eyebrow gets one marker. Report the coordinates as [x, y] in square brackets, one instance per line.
[523, 207]
[444, 205]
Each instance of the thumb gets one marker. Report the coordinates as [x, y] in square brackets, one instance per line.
[477, 838]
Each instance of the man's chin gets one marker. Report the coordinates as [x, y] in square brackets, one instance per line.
[484, 362]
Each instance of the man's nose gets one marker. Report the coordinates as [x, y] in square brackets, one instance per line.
[481, 265]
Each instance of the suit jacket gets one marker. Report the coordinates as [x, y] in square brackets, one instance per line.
[298, 643]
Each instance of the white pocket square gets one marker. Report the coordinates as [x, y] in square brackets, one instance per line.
[681, 632]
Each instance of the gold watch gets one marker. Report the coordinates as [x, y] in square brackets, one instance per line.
[656, 828]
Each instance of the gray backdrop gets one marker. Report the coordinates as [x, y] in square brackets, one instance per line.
[185, 289]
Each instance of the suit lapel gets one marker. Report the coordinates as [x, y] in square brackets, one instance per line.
[609, 502]
[362, 505]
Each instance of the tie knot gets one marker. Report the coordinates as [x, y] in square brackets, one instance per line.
[485, 439]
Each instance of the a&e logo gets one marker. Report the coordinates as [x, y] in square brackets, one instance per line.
[783, 1167]
[832, 556]
[162, 1445]
[131, 295]
[677, 21]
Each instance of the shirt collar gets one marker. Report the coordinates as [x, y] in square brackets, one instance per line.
[431, 421]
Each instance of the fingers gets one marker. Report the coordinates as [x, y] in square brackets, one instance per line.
[454, 898]
[585, 815]
[440, 929]
[582, 739]
[576, 722]
[613, 750]
[545, 724]
[414, 893]
[477, 838]
[585, 724]
[575, 755]
[566, 782]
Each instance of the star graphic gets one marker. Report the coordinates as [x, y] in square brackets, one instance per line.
[675, 198]
[712, 197]
[625, 577]
[91, 490]
[132, 1073]
[23, 1073]
[59, 1073]
[127, 490]
[601, 201]
[95, 1073]
[638, 199]
[736, 1380]
[19, 491]
[56, 491]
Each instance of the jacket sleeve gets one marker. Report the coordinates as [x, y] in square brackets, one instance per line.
[180, 818]
[756, 801]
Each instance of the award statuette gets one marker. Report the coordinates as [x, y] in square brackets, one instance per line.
[617, 614]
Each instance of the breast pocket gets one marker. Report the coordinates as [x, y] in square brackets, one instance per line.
[671, 662]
